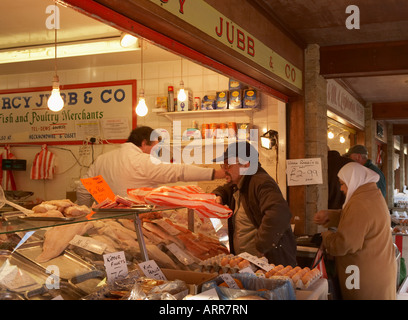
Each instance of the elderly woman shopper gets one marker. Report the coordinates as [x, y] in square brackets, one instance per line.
[362, 244]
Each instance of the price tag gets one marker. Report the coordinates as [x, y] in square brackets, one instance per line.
[181, 255]
[229, 281]
[89, 244]
[115, 266]
[247, 270]
[152, 270]
[261, 263]
[98, 188]
[206, 295]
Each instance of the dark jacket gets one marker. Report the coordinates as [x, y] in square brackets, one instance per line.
[334, 163]
[269, 212]
[381, 184]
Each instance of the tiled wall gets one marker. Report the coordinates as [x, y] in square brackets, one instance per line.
[157, 77]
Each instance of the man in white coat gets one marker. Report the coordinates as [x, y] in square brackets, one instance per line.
[130, 166]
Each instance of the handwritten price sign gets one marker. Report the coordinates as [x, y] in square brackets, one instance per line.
[115, 266]
[98, 188]
[304, 171]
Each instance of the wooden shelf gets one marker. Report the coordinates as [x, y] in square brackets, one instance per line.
[171, 115]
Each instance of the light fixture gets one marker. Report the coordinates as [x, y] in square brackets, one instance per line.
[65, 50]
[342, 139]
[269, 139]
[330, 134]
[55, 102]
[181, 94]
[127, 40]
[141, 108]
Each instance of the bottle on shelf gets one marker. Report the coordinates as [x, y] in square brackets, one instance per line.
[170, 91]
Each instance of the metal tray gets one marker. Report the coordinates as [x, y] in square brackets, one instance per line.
[66, 291]
[37, 290]
[133, 209]
[46, 218]
[70, 265]
[88, 282]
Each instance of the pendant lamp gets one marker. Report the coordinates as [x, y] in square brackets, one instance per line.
[181, 94]
[55, 102]
[141, 108]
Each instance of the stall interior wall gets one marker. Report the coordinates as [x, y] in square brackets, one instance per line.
[72, 161]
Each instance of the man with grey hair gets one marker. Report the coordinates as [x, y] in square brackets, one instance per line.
[260, 224]
[359, 153]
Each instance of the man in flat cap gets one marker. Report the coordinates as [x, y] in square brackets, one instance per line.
[359, 153]
[260, 224]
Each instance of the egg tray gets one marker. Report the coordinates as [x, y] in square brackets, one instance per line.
[218, 265]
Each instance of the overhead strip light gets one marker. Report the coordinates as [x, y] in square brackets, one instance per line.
[64, 50]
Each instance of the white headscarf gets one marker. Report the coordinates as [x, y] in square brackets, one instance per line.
[354, 176]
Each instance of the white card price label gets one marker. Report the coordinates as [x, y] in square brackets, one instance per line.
[89, 244]
[115, 266]
[247, 270]
[152, 270]
[261, 263]
[206, 295]
[182, 256]
[229, 281]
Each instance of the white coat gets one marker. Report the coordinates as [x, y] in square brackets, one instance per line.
[128, 167]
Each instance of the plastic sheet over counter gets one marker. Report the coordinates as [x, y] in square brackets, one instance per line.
[269, 289]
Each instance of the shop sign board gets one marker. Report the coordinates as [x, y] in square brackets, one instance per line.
[341, 102]
[207, 19]
[103, 110]
[304, 171]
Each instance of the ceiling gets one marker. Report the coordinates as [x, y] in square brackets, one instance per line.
[319, 21]
[26, 27]
[381, 39]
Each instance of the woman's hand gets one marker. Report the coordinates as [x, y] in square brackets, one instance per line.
[321, 217]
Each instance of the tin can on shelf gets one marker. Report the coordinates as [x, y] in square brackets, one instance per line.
[232, 129]
[213, 130]
[170, 99]
[223, 131]
[205, 130]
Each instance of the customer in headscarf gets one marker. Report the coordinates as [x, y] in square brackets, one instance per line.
[362, 244]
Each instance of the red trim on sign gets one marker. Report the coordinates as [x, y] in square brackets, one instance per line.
[115, 19]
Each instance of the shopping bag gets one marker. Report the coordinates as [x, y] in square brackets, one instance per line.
[319, 263]
[326, 264]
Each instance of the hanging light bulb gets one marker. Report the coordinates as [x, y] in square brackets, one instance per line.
[330, 135]
[181, 94]
[141, 108]
[55, 102]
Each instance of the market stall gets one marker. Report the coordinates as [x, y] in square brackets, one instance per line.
[64, 251]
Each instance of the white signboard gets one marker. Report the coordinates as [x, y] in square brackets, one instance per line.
[304, 171]
[102, 110]
[344, 104]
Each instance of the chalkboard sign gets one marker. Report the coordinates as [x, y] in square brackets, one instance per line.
[304, 171]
